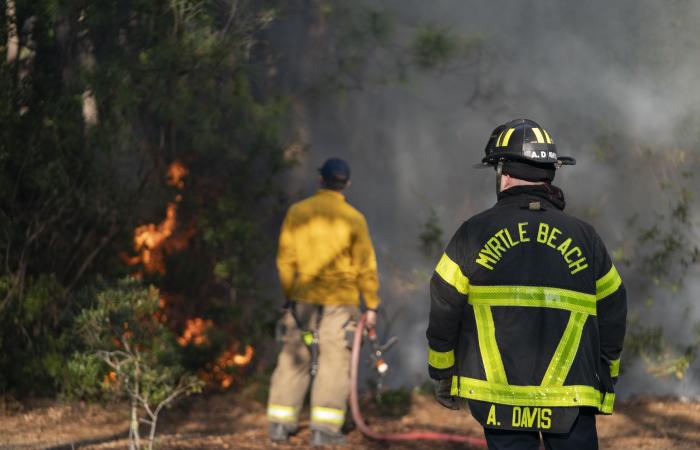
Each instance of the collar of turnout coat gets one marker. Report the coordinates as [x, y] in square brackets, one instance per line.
[525, 195]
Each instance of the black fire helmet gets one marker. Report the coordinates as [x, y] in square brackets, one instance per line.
[491, 144]
[523, 140]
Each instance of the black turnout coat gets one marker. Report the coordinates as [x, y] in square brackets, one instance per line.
[527, 314]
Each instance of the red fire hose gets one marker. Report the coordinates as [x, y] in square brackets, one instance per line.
[360, 421]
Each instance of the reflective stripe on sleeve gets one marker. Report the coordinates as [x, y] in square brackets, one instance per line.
[441, 360]
[490, 355]
[565, 353]
[553, 396]
[452, 274]
[327, 415]
[279, 413]
[533, 296]
[615, 367]
[607, 284]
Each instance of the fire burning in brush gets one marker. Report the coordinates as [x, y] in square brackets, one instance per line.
[195, 332]
[216, 373]
[110, 379]
[153, 241]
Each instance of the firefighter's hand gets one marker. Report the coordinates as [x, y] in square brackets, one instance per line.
[371, 318]
[443, 396]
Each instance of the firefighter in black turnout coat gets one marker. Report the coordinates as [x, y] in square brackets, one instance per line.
[527, 314]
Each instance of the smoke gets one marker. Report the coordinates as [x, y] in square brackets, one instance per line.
[619, 73]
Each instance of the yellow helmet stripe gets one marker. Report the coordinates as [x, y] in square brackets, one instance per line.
[506, 138]
[546, 135]
[500, 136]
[538, 135]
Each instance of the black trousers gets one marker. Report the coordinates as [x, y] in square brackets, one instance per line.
[582, 436]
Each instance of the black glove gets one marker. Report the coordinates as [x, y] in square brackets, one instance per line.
[443, 395]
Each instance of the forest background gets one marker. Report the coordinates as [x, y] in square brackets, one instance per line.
[158, 143]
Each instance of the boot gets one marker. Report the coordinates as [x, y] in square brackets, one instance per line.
[279, 432]
[320, 438]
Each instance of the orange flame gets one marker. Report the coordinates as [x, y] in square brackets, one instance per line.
[176, 172]
[151, 241]
[160, 315]
[244, 359]
[109, 378]
[216, 373]
[195, 332]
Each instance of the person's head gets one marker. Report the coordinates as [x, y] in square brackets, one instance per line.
[335, 174]
[522, 153]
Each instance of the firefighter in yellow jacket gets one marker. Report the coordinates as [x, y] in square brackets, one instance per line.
[325, 261]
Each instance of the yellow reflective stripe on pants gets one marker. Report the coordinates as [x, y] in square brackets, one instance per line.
[566, 351]
[543, 396]
[452, 274]
[327, 415]
[607, 284]
[441, 360]
[533, 296]
[279, 413]
[490, 355]
[615, 367]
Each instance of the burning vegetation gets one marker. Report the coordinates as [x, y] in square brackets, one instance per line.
[152, 243]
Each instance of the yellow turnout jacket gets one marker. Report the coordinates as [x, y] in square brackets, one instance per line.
[325, 253]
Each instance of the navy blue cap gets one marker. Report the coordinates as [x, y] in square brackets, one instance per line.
[335, 169]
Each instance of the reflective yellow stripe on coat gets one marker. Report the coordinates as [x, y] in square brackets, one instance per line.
[452, 274]
[607, 284]
[441, 360]
[615, 367]
[553, 396]
[533, 296]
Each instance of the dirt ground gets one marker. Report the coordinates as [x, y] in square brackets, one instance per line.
[231, 421]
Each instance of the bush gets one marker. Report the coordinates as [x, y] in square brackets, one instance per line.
[131, 354]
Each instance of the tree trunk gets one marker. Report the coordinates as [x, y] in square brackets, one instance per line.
[152, 434]
[134, 438]
[12, 35]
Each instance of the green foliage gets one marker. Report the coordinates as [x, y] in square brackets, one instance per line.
[392, 403]
[35, 338]
[181, 80]
[85, 377]
[366, 46]
[666, 248]
[433, 47]
[103, 97]
[125, 311]
[431, 237]
[659, 247]
[426, 388]
[380, 26]
[122, 332]
[662, 358]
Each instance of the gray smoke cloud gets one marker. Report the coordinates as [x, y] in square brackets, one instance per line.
[627, 70]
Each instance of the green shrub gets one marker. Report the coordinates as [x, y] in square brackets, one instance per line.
[123, 335]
